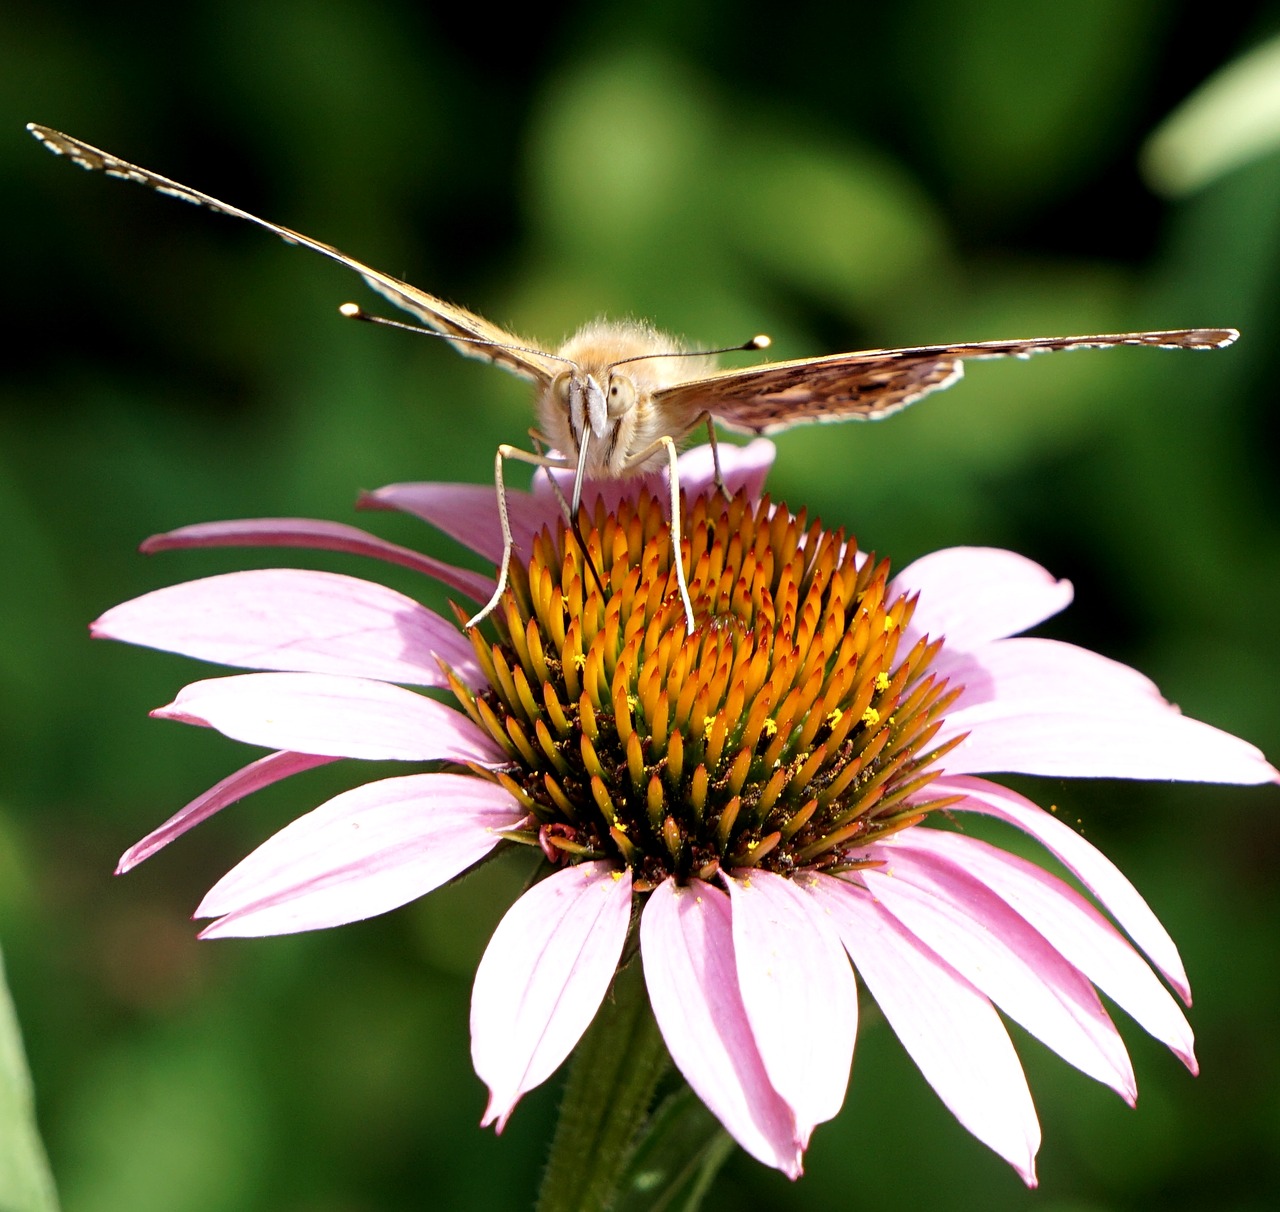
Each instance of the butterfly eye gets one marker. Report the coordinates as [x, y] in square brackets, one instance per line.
[560, 388]
[622, 395]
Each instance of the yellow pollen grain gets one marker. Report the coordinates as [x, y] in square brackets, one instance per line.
[770, 727]
[834, 716]
[882, 681]
[871, 717]
[708, 722]
[579, 661]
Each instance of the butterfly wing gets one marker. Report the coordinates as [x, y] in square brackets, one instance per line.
[507, 351]
[869, 385]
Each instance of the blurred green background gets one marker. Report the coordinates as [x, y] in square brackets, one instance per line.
[841, 177]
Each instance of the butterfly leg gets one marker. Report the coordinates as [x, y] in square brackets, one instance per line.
[715, 456]
[508, 542]
[668, 443]
[539, 443]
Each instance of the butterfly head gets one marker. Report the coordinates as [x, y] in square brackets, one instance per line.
[601, 408]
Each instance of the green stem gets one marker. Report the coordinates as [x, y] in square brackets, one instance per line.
[609, 1152]
[615, 1069]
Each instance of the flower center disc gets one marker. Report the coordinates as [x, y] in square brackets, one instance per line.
[779, 734]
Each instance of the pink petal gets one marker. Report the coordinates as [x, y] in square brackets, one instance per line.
[740, 466]
[364, 852]
[1102, 739]
[1027, 669]
[973, 595]
[288, 618]
[948, 1028]
[792, 970]
[466, 512]
[1072, 925]
[251, 778]
[1003, 956]
[542, 979]
[321, 536]
[333, 716]
[1097, 872]
[686, 938]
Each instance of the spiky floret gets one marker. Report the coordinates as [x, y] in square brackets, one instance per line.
[783, 731]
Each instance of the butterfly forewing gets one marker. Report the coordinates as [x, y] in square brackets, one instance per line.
[876, 382]
[503, 348]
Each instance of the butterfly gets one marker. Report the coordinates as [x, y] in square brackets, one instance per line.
[617, 399]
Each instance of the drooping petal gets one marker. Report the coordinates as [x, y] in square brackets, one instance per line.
[298, 620]
[948, 1028]
[542, 979]
[972, 595]
[1002, 955]
[320, 536]
[245, 781]
[1035, 669]
[364, 852]
[1072, 925]
[466, 512]
[333, 716]
[1105, 739]
[686, 938]
[792, 971]
[1093, 869]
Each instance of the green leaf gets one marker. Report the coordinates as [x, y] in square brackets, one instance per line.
[26, 1183]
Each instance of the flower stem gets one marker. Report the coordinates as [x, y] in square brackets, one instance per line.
[608, 1152]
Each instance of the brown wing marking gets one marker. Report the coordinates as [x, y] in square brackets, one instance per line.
[875, 383]
[765, 399]
[435, 313]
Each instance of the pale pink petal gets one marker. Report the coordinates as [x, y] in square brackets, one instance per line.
[333, 716]
[364, 852]
[321, 536]
[1097, 872]
[466, 512]
[292, 619]
[1002, 955]
[542, 979]
[1032, 669]
[972, 595]
[741, 467]
[792, 969]
[948, 1028]
[686, 938]
[1072, 925]
[250, 778]
[1107, 739]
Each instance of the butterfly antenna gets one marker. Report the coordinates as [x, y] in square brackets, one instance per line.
[759, 341]
[353, 311]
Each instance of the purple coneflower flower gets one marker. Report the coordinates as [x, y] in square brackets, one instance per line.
[757, 804]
